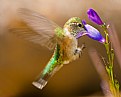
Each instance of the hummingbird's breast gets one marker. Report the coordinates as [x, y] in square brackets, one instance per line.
[68, 46]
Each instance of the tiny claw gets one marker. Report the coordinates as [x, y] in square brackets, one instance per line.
[79, 50]
[83, 46]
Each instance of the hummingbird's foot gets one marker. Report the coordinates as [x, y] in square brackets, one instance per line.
[78, 51]
[82, 47]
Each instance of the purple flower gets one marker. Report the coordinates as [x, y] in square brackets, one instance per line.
[93, 16]
[94, 33]
[91, 32]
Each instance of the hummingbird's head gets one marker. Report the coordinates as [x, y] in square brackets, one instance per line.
[75, 27]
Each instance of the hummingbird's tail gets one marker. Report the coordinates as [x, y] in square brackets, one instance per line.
[50, 69]
[43, 78]
[40, 83]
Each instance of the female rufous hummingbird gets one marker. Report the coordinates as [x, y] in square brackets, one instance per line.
[45, 32]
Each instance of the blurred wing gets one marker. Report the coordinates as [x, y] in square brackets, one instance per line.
[28, 34]
[40, 30]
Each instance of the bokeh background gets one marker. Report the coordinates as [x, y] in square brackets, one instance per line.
[22, 61]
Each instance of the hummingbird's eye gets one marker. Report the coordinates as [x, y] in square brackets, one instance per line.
[80, 25]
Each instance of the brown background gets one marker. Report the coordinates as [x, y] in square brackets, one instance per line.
[22, 61]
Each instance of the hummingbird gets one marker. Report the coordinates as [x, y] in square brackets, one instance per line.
[63, 41]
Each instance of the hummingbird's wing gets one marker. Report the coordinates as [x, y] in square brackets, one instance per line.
[40, 30]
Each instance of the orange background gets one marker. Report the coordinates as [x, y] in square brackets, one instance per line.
[22, 61]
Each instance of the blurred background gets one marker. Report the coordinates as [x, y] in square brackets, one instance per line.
[22, 61]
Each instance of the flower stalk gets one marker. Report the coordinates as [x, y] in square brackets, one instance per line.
[113, 83]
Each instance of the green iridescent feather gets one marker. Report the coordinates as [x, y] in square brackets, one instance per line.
[54, 61]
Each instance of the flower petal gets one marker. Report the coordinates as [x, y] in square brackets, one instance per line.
[94, 33]
[93, 16]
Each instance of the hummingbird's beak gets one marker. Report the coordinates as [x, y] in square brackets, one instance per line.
[81, 33]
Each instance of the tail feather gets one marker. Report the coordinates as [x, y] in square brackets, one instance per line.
[43, 78]
[40, 83]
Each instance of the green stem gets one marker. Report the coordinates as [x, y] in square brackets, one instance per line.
[114, 87]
